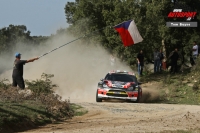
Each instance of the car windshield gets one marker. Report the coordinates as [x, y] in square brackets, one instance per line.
[121, 77]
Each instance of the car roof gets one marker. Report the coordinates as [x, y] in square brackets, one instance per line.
[121, 72]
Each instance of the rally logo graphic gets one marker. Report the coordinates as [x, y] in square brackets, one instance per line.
[178, 13]
[182, 11]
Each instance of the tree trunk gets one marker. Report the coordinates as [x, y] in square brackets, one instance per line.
[164, 50]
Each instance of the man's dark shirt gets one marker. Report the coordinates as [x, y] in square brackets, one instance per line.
[18, 68]
[175, 56]
[140, 58]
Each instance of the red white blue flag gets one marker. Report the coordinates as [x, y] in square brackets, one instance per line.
[129, 33]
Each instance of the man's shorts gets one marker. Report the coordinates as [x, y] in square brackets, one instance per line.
[17, 80]
[194, 57]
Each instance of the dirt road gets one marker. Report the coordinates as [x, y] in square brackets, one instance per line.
[118, 117]
[128, 118]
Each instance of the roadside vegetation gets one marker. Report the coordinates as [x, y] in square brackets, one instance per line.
[179, 88]
[36, 105]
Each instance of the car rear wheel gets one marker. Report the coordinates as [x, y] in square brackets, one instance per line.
[97, 98]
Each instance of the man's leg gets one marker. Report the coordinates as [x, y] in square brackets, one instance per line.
[157, 65]
[172, 67]
[194, 58]
[154, 66]
[14, 83]
[20, 82]
[161, 66]
[139, 69]
[192, 61]
[175, 67]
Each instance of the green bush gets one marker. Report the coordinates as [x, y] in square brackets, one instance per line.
[43, 85]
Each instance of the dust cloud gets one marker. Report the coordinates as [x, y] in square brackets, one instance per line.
[77, 67]
[151, 92]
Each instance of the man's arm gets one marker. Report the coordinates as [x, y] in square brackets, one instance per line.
[31, 60]
[138, 58]
[170, 55]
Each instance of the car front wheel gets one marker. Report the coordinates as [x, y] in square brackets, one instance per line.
[97, 98]
[139, 96]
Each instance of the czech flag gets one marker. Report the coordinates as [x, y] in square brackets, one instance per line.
[129, 33]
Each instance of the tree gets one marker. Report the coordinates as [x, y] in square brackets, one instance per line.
[11, 36]
[150, 17]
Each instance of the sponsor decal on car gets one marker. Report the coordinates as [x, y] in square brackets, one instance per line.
[116, 92]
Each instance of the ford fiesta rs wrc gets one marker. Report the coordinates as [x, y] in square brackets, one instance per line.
[119, 85]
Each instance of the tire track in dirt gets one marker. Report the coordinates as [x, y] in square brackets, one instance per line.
[128, 117]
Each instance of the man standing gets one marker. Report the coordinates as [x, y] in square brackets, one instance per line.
[140, 60]
[157, 56]
[17, 74]
[195, 51]
[174, 56]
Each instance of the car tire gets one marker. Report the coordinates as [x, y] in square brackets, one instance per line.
[98, 99]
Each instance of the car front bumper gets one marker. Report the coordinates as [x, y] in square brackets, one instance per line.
[115, 97]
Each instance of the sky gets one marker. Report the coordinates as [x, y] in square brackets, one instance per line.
[41, 17]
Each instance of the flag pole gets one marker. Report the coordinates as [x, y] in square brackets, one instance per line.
[75, 40]
[71, 42]
[61, 46]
